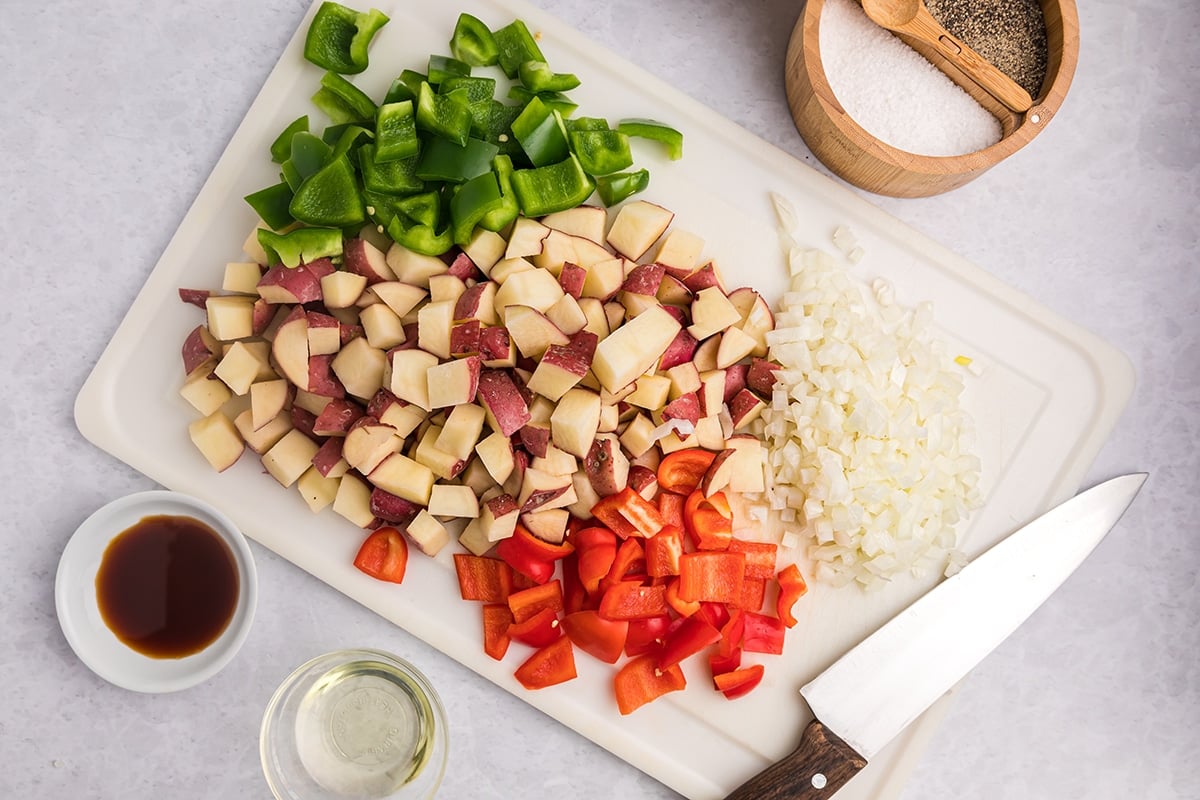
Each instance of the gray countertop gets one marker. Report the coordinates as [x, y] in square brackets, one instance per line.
[113, 117]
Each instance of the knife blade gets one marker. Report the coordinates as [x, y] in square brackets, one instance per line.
[876, 689]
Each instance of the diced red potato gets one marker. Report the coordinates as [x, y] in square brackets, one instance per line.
[363, 258]
[198, 347]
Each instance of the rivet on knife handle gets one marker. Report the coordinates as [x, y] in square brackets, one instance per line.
[814, 771]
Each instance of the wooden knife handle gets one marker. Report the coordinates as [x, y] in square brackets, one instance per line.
[814, 771]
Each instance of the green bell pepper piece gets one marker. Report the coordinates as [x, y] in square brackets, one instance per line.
[342, 101]
[309, 154]
[424, 208]
[499, 129]
[271, 205]
[407, 86]
[538, 77]
[338, 37]
[542, 134]
[441, 160]
[557, 187]
[473, 42]
[601, 152]
[655, 131]
[281, 148]
[443, 67]
[615, 188]
[300, 245]
[444, 115]
[587, 124]
[391, 177]
[555, 100]
[330, 196]
[516, 45]
[479, 93]
[500, 217]
[420, 238]
[471, 203]
[396, 132]
[344, 138]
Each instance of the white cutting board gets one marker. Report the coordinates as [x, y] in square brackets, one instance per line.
[1048, 397]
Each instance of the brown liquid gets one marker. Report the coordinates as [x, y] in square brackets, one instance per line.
[168, 586]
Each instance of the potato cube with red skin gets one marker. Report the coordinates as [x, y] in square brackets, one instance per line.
[686, 407]
[744, 408]
[400, 297]
[684, 379]
[571, 279]
[588, 222]
[414, 268]
[496, 348]
[680, 249]
[650, 392]
[478, 302]
[644, 280]
[712, 392]
[443, 465]
[368, 443]
[427, 533]
[342, 289]
[712, 313]
[575, 421]
[360, 257]
[506, 268]
[672, 291]
[679, 351]
[504, 403]
[709, 433]
[606, 465]
[634, 348]
[390, 508]
[322, 380]
[463, 268]
[337, 417]
[382, 326]
[603, 280]
[498, 517]
[289, 348]
[453, 383]
[267, 399]
[328, 459]
[555, 461]
[735, 380]
[535, 437]
[760, 378]
[410, 371]
[353, 501]
[526, 237]
[217, 439]
[205, 393]
[324, 333]
[484, 249]
[706, 277]
[290, 285]
[563, 366]
[637, 226]
[262, 439]
[735, 345]
[464, 338]
[198, 347]
[446, 288]
[462, 429]
[747, 474]
[405, 417]
[287, 460]
[542, 491]
[434, 322]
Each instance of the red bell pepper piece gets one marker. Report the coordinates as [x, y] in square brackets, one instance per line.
[488, 580]
[552, 664]
[731, 635]
[597, 548]
[692, 636]
[708, 520]
[527, 602]
[592, 633]
[681, 472]
[791, 588]
[762, 634]
[754, 592]
[629, 564]
[640, 681]
[384, 555]
[575, 597]
[496, 619]
[539, 630]
[646, 635]
[670, 505]
[712, 576]
[739, 681]
[718, 663]
[663, 550]
[531, 556]
[717, 614]
[630, 600]
[684, 608]
[627, 513]
[760, 557]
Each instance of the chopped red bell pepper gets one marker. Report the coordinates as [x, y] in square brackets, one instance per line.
[629, 564]
[762, 634]
[708, 520]
[717, 614]
[712, 576]
[597, 548]
[527, 602]
[760, 557]
[692, 636]
[684, 608]
[488, 580]
[670, 505]
[640, 681]
[731, 635]
[575, 597]
[592, 633]
[630, 600]
[539, 630]
[738, 682]
[552, 664]
[718, 664]
[663, 550]
[791, 588]
[754, 592]
[531, 556]
[680, 472]
[384, 555]
[496, 619]
[646, 635]
[627, 513]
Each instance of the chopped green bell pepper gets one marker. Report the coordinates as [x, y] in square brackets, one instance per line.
[479, 93]
[338, 37]
[557, 187]
[443, 67]
[441, 160]
[300, 245]
[407, 86]
[499, 130]
[472, 42]
[330, 196]
[444, 115]
[555, 100]
[542, 134]
[615, 188]
[538, 77]
[395, 132]
[516, 45]
[601, 152]
[424, 208]
[391, 177]
[420, 238]
[281, 148]
[655, 131]
[500, 217]
[342, 101]
[271, 205]
[308, 154]
[344, 138]
[587, 124]
[474, 200]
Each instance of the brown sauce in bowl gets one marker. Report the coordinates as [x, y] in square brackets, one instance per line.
[167, 586]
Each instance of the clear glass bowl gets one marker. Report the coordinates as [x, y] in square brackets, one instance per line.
[360, 724]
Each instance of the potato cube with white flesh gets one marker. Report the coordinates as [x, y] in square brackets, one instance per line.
[290, 457]
[453, 501]
[360, 368]
[588, 252]
[574, 422]
[474, 539]
[404, 477]
[735, 345]
[410, 371]
[505, 268]
[263, 438]
[267, 399]
[531, 331]
[526, 238]
[536, 288]
[716, 477]
[567, 315]
[368, 443]
[353, 501]
[588, 222]
[427, 533]
[230, 317]
[241, 277]
[382, 326]
[597, 320]
[498, 517]
[651, 392]
[289, 348]
[317, 490]
[204, 393]
[477, 478]
[680, 250]
[606, 465]
[442, 464]
[638, 436]
[434, 324]
[563, 366]
[496, 454]
[604, 279]
[684, 378]
[709, 433]
[757, 323]
[342, 289]
[747, 474]
[673, 442]
[400, 297]
[461, 432]
[555, 462]
[453, 383]
[506, 408]
[238, 368]
[478, 302]
[549, 525]
[446, 288]
[415, 268]
[586, 497]
[705, 356]
[310, 402]
[634, 348]
[542, 491]
[744, 408]
[616, 314]
[252, 247]
[638, 226]
[217, 439]
[558, 249]
[324, 334]
[329, 461]
[485, 248]
[402, 415]
[290, 285]
[361, 257]
[712, 313]
[610, 418]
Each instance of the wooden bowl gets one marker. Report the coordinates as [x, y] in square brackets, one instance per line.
[860, 158]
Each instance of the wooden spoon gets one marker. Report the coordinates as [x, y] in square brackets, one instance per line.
[912, 18]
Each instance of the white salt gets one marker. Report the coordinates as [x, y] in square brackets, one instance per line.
[894, 93]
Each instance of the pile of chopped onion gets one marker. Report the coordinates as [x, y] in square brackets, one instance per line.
[869, 447]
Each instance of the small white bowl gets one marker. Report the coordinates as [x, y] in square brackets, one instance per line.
[79, 611]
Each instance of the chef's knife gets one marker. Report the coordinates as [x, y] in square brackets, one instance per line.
[876, 689]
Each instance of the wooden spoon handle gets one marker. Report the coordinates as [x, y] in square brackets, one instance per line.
[991, 79]
[814, 771]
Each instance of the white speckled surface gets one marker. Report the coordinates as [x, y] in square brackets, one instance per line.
[113, 119]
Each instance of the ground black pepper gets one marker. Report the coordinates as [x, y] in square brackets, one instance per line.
[1010, 34]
